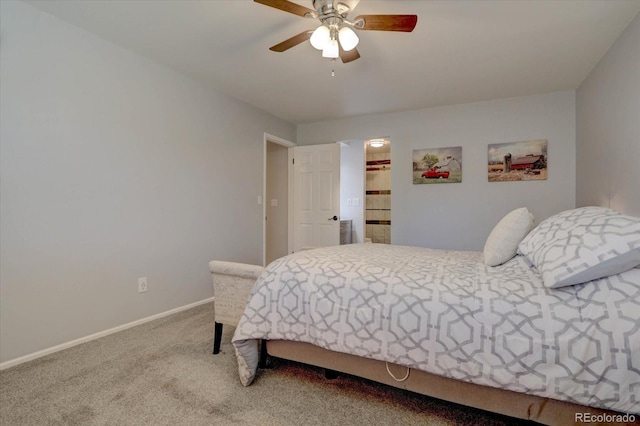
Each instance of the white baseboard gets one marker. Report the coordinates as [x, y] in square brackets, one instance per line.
[35, 355]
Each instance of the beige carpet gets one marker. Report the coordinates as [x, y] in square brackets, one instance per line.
[163, 373]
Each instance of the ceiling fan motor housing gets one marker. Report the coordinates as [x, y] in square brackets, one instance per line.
[328, 10]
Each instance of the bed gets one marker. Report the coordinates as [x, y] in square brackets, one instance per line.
[543, 324]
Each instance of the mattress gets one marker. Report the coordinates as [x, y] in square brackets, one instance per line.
[446, 313]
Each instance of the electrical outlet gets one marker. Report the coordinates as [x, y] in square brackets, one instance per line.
[142, 284]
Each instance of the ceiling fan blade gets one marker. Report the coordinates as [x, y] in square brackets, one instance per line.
[349, 56]
[290, 7]
[404, 23]
[291, 42]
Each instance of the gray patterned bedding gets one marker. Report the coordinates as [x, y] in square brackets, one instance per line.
[447, 313]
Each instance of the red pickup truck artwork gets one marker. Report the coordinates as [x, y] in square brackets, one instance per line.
[435, 174]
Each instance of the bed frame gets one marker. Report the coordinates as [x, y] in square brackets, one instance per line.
[529, 407]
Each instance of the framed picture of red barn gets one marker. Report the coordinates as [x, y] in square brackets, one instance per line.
[515, 161]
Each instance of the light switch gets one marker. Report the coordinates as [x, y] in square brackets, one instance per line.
[274, 203]
[356, 201]
[259, 200]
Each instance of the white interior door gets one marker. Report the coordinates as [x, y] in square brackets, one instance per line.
[315, 196]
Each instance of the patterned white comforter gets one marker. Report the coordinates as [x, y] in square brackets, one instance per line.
[447, 313]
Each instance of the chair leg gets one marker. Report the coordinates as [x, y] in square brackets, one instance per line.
[217, 337]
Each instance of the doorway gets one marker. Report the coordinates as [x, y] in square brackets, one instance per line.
[378, 190]
[275, 204]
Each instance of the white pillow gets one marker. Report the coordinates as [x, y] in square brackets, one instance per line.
[583, 244]
[502, 243]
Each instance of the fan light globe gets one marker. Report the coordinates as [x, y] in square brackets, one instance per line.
[331, 50]
[348, 38]
[320, 38]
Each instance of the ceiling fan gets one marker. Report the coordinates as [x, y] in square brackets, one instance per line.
[336, 36]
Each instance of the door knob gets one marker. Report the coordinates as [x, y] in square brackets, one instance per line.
[333, 218]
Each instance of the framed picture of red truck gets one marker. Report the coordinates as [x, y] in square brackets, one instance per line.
[516, 161]
[437, 165]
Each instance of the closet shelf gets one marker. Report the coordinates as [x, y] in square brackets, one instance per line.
[378, 162]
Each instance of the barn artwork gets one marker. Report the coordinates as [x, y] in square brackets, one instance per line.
[515, 161]
[437, 165]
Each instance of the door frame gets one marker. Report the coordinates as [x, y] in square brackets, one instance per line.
[284, 142]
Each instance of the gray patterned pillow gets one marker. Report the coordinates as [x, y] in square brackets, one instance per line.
[583, 244]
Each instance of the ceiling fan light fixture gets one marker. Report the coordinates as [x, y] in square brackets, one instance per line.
[331, 50]
[321, 37]
[335, 36]
[348, 39]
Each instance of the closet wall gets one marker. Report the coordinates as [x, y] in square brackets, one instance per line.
[378, 195]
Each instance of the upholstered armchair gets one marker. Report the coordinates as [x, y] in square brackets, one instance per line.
[232, 285]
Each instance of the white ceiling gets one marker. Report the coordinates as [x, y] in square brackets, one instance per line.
[460, 51]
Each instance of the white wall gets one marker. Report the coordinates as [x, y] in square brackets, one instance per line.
[460, 216]
[608, 128]
[113, 168]
[352, 170]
